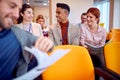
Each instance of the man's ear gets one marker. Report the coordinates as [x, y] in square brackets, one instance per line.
[66, 12]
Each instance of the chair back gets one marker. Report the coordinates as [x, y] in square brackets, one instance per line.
[114, 35]
[112, 56]
[75, 65]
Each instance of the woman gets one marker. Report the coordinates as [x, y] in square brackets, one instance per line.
[93, 37]
[40, 19]
[25, 21]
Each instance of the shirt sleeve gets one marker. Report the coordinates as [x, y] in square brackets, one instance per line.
[82, 36]
[104, 34]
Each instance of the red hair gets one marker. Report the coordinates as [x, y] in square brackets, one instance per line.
[95, 12]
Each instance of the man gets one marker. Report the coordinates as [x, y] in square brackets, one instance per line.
[63, 32]
[13, 58]
[83, 19]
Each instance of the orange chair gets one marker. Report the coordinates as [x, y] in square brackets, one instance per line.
[75, 65]
[107, 37]
[112, 56]
[115, 30]
[72, 66]
[114, 35]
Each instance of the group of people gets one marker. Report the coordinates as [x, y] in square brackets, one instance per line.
[14, 38]
[25, 22]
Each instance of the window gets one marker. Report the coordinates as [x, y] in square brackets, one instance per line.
[104, 7]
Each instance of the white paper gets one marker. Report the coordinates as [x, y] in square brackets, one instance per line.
[44, 61]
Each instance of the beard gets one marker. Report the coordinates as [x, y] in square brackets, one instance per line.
[6, 22]
[2, 26]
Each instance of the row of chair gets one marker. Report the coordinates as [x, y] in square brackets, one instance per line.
[111, 52]
[114, 35]
[77, 64]
[112, 55]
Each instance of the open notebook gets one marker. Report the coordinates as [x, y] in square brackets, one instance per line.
[44, 61]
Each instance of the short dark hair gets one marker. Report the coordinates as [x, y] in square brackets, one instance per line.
[84, 13]
[64, 6]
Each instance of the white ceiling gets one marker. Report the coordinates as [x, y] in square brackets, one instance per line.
[37, 2]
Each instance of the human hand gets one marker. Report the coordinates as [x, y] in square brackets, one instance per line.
[44, 44]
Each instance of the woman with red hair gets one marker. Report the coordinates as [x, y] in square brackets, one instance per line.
[93, 36]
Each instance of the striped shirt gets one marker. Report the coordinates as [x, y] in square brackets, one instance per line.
[10, 50]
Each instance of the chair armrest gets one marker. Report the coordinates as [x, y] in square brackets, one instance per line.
[105, 74]
[112, 72]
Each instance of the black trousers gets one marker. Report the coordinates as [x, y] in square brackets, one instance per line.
[98, 61]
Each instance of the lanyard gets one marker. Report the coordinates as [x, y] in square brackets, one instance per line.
[30, 27]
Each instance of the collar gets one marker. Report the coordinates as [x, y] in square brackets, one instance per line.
[98, 30]
[64, 24]
[4, 32]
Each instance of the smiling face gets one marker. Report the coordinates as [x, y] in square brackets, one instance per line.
[41, 21]
[91, 19]
[61, 14]
[93, 16]
[9, 12]
[27, 15]
[83, 18]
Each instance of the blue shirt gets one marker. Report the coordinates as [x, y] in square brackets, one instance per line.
[10, 52]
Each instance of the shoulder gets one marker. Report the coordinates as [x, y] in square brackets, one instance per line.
[19, 25]
[24, 37]
[83, 26]
[35, 24]
[17, 28]
[73, 26]
[20, 32]
[102, 29]
[54, 26]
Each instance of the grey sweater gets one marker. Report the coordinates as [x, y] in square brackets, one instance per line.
[26, 39]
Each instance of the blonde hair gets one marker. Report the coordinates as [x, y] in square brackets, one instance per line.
[40, 16]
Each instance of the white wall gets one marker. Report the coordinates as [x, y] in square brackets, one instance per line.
[116, 17]
[77, 7]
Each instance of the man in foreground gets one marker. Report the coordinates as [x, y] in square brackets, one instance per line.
[13, 58]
